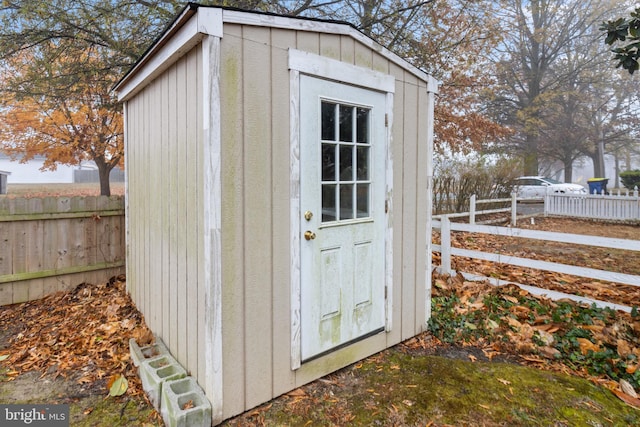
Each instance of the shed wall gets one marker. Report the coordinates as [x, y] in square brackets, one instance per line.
[164, 197]
[256, 210]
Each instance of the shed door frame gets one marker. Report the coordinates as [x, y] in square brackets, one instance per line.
[318, 66]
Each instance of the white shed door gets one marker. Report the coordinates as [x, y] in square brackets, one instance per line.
[342, 175]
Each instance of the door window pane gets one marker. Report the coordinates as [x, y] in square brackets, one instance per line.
[362, 126]
[328, 121]
[329, 202]
[346, 163]
[328, 162]
[362, 163]
[346, 201]
[362, 200]
[346, 123]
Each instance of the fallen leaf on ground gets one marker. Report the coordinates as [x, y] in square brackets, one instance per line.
[631, 401]
[586, 345]
[117, 385]
[628, 388]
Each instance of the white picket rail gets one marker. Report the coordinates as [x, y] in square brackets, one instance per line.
[474, 202]
[617, 207]
[447, 251]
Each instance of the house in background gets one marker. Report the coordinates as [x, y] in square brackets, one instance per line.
[30, 173]
[278, 199]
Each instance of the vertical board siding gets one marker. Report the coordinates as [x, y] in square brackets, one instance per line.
[257, 214]
[233, 184]
[330, 45]
[52, 244]
[165, 229]
[165, 208]
[192, 163]
[172, 229]
[181, 200]
[410, 207]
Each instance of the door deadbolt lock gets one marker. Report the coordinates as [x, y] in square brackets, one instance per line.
[308, 215]
[309, 235]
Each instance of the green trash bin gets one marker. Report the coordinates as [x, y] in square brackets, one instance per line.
[597, 185]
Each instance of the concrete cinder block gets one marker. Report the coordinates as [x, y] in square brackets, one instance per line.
[184, 404]
[155, 372]
[149, 352]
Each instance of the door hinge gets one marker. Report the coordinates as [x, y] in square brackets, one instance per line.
[386, 120]
[385, 292]
[386, 206]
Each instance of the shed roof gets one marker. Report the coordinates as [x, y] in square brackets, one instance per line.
[196, 21]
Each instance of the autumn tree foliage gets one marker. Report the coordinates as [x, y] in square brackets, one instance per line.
[59, 61]
[455, 46]
[450, 39]
[57, 103]
[68, 127]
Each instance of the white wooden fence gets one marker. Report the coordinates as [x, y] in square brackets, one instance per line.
[618, 207]
[446, 251]
[473, 206]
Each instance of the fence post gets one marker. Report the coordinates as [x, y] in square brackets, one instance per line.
[514, 208]
[635, 194]
[445, 244]
[472, 209]
[547, 204]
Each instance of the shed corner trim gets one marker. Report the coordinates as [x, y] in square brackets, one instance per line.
[187, 32]
[210, 21]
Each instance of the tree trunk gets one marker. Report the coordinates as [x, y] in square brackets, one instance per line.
[104, 169]
[568, 170]
[616, 182]
[600, 173]
[531, 157]
[597, 171]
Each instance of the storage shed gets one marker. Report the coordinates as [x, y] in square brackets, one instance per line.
[278, 199]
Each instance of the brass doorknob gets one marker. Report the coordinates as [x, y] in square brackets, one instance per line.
[309, 235]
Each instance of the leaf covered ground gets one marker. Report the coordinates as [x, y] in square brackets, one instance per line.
[495, 356]
[77, 345]
[606, 259]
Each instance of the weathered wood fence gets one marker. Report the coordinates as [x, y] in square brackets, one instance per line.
[55, 243]
[615, 207]
[446, 251]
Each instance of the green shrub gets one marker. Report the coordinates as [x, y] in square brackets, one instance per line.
[631, 179]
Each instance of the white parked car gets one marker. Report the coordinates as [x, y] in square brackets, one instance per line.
[535, 187]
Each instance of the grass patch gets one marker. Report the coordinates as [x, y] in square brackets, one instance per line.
[404, 389]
